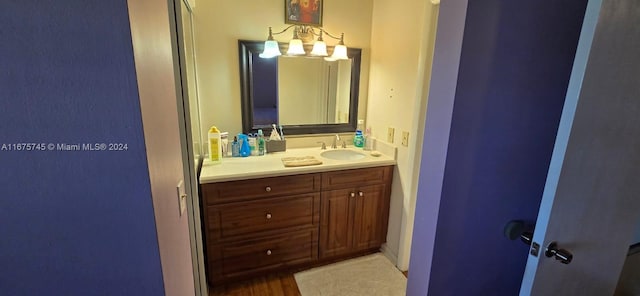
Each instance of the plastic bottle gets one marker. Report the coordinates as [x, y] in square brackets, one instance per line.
[215, 145]
[235, 147]
[358, 140]
[261, 143]
[224, 142]
[253, 144]
[245, 150]
[368, 140]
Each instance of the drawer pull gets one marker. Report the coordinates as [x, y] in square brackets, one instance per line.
[360, 193]
[353, 194]
[268, 252]
[268, 216]
[268, 189]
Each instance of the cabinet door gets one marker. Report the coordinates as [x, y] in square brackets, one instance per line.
[370, 217]
[336, 223]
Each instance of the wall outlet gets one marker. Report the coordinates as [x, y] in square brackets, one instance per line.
[182, 197]
[390, 132]
[405, 139]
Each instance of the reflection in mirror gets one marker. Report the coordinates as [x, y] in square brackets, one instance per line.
[313, 90]
[304, 94]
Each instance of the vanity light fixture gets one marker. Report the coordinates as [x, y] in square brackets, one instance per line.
[295, 45]
[301, 35]
[271, 48]
[339, 51]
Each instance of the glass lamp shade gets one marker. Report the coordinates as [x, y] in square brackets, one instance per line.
[295, 47]
[319, 49]
[271, 49]
[339, 53]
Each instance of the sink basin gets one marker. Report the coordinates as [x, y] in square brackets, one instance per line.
[342, 155]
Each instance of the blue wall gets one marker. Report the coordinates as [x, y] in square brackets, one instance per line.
[514, 69]
[73, 222]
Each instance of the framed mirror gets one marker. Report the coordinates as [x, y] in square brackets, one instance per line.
[306, 95]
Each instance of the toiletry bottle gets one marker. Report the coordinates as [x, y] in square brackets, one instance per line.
[245, 150]
[235, 147]
[215, 145]
[261, 143]
[253, 144]
[358, 139]
[368, 141]
[224, 143]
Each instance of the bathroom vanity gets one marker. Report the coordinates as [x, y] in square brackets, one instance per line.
[259, 216]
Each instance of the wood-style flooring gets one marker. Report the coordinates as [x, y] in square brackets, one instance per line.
[279, 284]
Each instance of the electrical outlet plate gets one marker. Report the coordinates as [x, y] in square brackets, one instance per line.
[405, 139]
[182, 197]
[390, 132]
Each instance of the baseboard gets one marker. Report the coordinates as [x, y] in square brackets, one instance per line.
[389, 254]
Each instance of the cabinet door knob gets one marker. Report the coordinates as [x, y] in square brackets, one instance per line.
[267, 189]
[360, 193]
[268, 252]
[353, 194]
[268, 215]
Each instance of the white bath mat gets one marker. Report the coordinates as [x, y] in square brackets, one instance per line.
[367, 276]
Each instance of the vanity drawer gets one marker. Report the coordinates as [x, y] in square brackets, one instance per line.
[272, 214]
[216, 193]
[357, 177]
[230, 260]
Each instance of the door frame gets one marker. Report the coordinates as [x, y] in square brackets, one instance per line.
[435, 143]
[191, 165]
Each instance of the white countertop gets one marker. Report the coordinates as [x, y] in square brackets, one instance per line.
[270, 165]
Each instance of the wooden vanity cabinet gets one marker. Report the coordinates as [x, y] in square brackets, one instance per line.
[260, 225]
[354, 218]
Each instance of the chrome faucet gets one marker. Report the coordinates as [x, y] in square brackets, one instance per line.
[335, 141]
[323, 147]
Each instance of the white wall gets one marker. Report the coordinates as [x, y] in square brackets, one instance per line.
[219, 25]
[399, 73]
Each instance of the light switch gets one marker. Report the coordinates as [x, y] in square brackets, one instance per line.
[182, 197]
[405, 139]
[390, 132]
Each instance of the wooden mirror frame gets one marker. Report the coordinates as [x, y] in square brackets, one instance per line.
[249, 49]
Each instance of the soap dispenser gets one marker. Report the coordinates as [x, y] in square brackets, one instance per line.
[358, 139]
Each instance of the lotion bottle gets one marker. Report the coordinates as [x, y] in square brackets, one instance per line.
[215, 145]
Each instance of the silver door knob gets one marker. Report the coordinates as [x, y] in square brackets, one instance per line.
[268, 252]
[360, 193]
[268, 216]
[353, 194]
[267, 189]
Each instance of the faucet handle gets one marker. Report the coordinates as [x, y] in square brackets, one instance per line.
[324, 146]
[344, 144]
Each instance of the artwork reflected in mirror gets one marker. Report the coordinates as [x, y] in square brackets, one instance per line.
[304, 94]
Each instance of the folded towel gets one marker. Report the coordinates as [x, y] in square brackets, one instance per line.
[300, 161]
